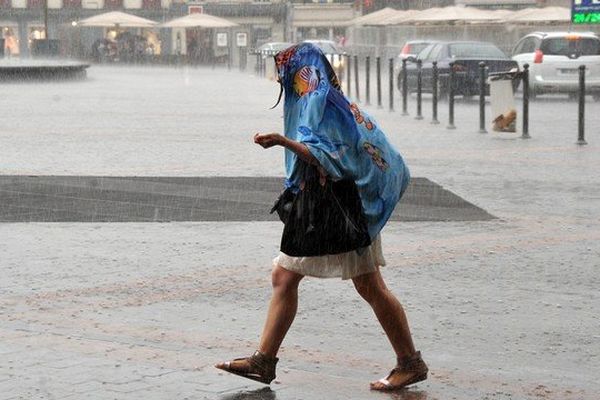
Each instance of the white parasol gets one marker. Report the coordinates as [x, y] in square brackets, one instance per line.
[117, 18]
[199, 21]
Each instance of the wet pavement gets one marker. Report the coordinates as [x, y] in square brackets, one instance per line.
[501, 309]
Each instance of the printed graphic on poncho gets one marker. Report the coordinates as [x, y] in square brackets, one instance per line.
[283, 57]
[305, 80]
[376, 156]
[359, 117]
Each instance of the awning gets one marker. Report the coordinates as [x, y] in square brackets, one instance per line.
[372, 18]
[455, 14]
[113, 18]
[199, 21]
[397, 18]
[538, 15]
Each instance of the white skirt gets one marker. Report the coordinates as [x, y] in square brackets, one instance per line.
[344, 265]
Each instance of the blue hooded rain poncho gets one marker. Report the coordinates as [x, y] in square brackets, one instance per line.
[345, 140]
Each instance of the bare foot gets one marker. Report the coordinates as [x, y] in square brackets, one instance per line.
[238, 365]
[258, 367]
[398, 379]
[409, 370]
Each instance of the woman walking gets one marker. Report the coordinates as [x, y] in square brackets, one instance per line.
[343, 180]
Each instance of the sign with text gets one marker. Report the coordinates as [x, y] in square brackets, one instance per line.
[585, 12]
[222, 39]
[241, 39]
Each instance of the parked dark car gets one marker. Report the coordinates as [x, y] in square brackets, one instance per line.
[466, 57]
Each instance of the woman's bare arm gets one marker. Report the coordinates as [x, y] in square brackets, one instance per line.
[267, 140]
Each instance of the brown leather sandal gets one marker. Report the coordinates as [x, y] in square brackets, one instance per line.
[413, 366]
[260, 367]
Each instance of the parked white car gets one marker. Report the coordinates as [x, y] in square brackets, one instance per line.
[273, 48]
[554, 59]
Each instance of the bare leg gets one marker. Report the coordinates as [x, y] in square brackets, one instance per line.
[282, 310]
[388, 310]
[391, 316]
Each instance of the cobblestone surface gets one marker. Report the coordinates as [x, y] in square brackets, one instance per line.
[501, 309]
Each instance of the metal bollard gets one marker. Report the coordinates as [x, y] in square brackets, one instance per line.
[368, 80]
[419, 89]
[243, 59]
[391, 79]
[348, 75]
[434, 92]
[404, 89]
[258, 62]
[482, 98]
[451, 98]
[581, 124]
[378, 65]
[525, 77]
[356, 86]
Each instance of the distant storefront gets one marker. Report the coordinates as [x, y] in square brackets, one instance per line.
[22, 22]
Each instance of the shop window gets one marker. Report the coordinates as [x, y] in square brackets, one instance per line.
[113, 4]
[36, 33]
[35, 3]
[71, 4]
[151, 4]
[11, 40]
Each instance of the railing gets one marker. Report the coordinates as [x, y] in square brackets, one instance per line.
[359, 71]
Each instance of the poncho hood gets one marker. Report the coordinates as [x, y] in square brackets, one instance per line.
[345, 140]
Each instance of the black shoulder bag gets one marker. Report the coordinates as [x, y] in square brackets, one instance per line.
[322, 219]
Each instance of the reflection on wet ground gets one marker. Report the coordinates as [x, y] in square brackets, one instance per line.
[260, 394]
[408, 394]
[267, 394]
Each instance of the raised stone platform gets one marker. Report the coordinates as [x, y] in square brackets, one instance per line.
[13, 70]
[156, 199]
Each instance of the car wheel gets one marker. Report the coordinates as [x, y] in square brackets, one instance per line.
[596, 97]
[573, 96]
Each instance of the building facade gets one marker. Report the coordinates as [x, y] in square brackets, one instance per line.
[23, 21]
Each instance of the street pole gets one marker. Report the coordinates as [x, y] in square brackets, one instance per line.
[368, 80]
[419, 89]
[581, 113]
[482, 98]
[434, 93]
[348, 75]
[404, 89]
[391, 79]
[525, 77]
[46, 20]
[451, 98]
[379, 82]
[356, 85]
